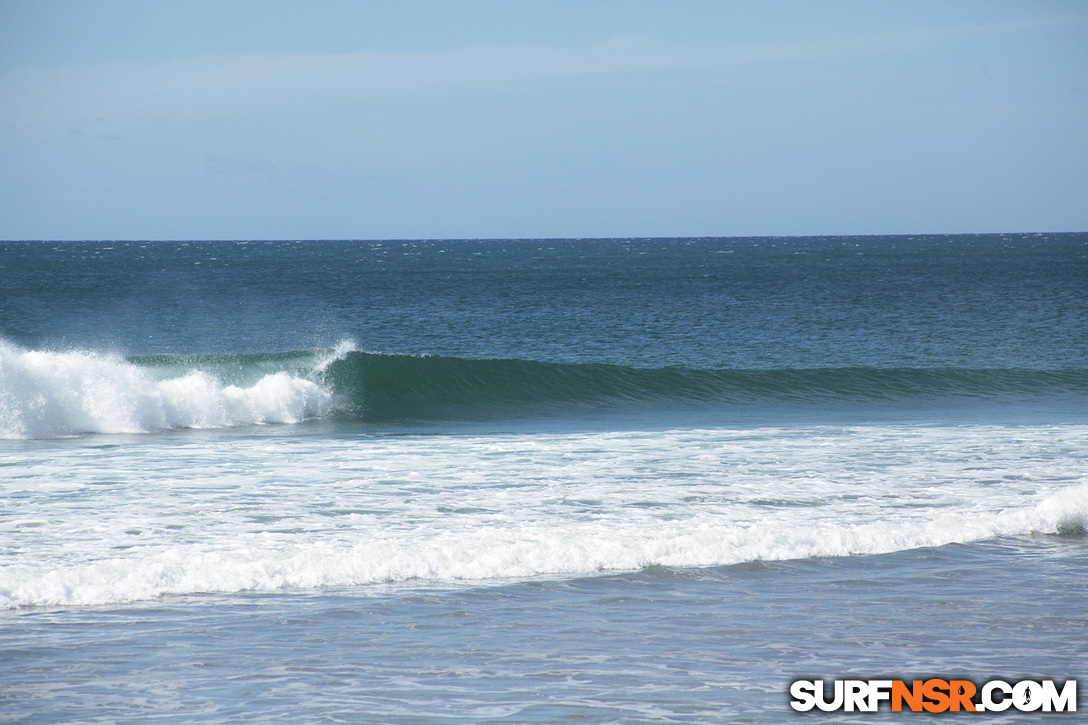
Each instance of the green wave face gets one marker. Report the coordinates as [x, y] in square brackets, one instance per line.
[391, 387]
[232, 369]
[379, 387]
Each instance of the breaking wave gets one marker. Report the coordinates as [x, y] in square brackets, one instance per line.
[48, 394]
[490, 553]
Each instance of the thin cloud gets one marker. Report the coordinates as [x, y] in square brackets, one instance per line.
[275, 173]
[242, 85]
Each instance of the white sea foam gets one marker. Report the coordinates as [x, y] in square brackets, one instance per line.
[274, 562]
[49, 394]
[98, 526]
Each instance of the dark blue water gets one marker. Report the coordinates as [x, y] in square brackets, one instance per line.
[976, 301]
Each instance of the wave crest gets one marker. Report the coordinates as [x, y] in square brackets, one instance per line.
[52, 394]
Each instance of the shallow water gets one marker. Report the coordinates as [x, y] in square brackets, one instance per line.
[658, 645]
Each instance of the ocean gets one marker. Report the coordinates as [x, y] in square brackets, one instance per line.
[537, 481]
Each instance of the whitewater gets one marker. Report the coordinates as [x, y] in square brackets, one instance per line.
[46, 394]
[535, 481]
[268, 514]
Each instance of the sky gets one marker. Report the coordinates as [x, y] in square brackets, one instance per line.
[441, 119]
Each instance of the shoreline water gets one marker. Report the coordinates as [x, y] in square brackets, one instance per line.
[657, 645]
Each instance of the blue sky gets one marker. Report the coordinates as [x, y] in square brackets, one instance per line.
[457, 119]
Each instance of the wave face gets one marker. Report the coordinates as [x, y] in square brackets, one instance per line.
[46, 394]
[381, 387]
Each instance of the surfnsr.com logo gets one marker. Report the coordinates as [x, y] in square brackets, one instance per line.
[934, 695]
